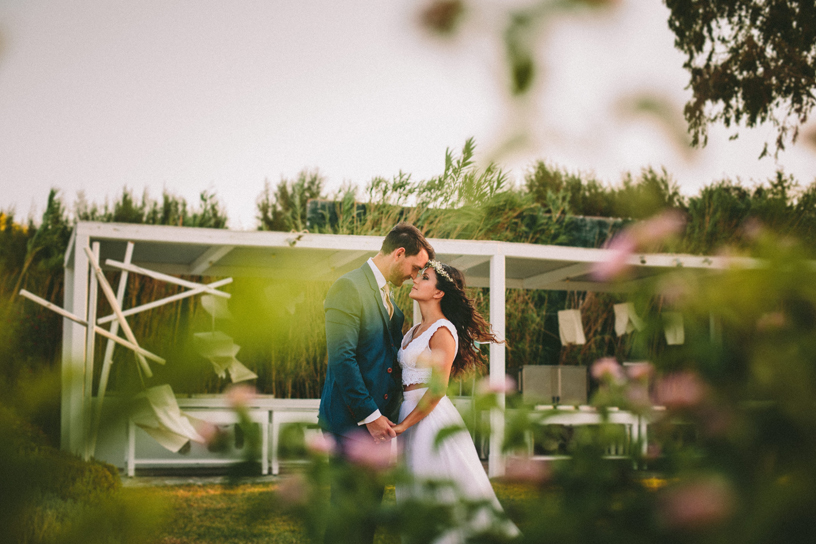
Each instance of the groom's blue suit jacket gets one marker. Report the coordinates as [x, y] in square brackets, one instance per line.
[363, 374]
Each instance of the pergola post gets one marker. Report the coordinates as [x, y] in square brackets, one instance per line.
[495, 463]
[88, 370]
[73, 409]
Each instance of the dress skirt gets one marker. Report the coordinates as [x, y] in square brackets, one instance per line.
[454, 460]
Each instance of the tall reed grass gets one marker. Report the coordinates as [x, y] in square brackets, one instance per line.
[282, 339]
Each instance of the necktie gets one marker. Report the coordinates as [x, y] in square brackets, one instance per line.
[388, 306]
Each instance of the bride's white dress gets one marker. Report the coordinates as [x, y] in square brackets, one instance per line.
[455, 459]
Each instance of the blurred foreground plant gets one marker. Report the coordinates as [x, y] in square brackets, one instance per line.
[731, 451]
[47, 495]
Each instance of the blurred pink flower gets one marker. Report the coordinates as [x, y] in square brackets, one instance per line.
[363, 451]
[638, 396]
[294, 490]
[658, 228]
[607, 369]
[239, 396]
[716, 421]
[207, 430]
[620, 249]
[680, 390]
[639, 371]
[698, 503]
[674, 289]
[526, 470]
[752, 229]
[730, 258]
[321, 443]
[770, 321]
[640, 236]
[486, 387]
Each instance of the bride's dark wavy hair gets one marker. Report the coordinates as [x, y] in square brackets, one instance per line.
[460, 310]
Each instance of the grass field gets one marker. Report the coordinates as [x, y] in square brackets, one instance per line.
[250, 514]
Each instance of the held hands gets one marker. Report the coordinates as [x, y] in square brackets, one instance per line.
[381, 429]
[399, 428]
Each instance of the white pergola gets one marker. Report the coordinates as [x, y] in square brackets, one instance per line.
[316, 257]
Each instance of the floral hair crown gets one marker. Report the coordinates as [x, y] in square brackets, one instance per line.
[437, 266]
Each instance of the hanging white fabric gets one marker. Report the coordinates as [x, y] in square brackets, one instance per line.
[626, 320]
[216, 307]
[161, 417]
[571, 327]
[221, 351]
[673, 325]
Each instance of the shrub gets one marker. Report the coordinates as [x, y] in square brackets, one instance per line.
[43, 488]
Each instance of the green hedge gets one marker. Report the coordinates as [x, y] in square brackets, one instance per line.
[44, 490]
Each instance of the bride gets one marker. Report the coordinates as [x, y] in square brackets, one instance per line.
[439, 347]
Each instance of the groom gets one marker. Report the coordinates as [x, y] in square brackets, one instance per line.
[363, 334]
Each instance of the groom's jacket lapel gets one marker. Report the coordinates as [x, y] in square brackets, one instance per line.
[372, 283]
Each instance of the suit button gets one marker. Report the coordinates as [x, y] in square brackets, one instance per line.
[385, 396]
[390, 370]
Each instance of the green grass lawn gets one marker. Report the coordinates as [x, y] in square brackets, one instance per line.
[250, 514]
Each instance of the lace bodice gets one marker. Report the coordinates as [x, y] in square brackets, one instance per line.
[412, 349]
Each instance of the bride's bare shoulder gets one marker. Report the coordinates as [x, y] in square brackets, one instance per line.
[442, 337]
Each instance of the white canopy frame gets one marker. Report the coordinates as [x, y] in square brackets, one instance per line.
[93, 414]
[169, 251]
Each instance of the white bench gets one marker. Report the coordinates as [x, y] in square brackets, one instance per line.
[268, 412]
[290, 411]
[635, 425]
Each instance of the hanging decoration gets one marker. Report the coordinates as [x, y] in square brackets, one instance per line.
[626, 319]
[571, 327]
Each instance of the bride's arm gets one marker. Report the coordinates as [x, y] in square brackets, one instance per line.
[443, 352]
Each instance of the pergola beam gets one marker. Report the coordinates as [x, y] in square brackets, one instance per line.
[337, 260]
[564, 273]
[464, 262]
[208, 259]
[481, 281]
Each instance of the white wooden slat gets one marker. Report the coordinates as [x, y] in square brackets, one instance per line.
[106, 289]
[166, 300]
[53, 307]
[148, 355]
[164, 277]
[107, 360]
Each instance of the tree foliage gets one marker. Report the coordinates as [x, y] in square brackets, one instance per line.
[170, 210]
[634, 198]
[750, 62]
[285, 209]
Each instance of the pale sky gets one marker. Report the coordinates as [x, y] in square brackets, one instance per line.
[203, 94]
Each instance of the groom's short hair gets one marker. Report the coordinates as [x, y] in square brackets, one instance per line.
[409, 237]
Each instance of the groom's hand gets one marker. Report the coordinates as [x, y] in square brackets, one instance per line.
[381, 429]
